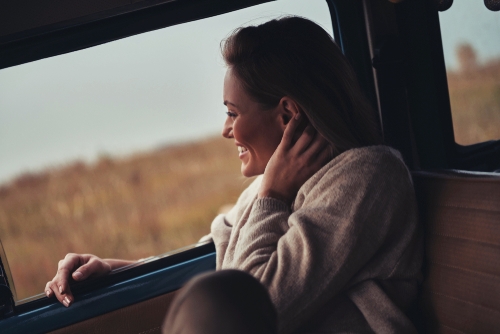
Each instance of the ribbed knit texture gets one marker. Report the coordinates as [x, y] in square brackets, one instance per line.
[344, 258]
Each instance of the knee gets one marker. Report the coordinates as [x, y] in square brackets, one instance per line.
[231, 291]
[224, 280]
[227, 285]
[232, 295]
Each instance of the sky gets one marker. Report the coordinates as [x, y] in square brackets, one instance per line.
[155, 88]
[129, 95]
[469, 21]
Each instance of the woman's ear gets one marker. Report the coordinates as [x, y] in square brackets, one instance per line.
[287, 109]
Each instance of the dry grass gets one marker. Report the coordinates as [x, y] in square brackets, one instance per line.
[475, 103]
[144, 205]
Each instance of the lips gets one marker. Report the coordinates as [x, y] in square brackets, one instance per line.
[242, 150]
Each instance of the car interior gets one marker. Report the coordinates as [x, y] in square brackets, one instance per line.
[397, 50]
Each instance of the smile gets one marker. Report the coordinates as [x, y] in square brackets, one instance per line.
[242, 150]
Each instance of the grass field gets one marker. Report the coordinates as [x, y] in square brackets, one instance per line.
[475, 103]
[130, 208]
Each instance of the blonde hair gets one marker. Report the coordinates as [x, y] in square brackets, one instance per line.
[294, 57]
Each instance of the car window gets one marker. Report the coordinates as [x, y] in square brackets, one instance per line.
[471, 45]
[116, 150]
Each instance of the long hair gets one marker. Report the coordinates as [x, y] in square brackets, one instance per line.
[294, 57]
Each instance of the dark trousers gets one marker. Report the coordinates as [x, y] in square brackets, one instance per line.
[227, 301]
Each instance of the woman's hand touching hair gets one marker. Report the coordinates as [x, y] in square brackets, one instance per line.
[294, 161]
[78, 267]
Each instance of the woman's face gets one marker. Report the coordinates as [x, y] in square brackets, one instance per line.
[256, 132]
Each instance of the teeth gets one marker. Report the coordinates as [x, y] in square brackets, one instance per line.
[242, 149]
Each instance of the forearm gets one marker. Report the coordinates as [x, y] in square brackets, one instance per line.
[118, 263]
[266, 224]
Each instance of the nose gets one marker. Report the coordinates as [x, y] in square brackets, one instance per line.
[227, 130]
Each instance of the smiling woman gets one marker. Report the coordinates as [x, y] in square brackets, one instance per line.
[290, 59]
[328, 228]
[121, 154]
[256, 131]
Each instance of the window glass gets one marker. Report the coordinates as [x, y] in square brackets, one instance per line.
[471, 44]
[116, 150]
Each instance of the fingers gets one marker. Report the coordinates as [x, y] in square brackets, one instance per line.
[70, 262]
[317, 153]
[59, 286]
[325, 155]
[60, 290]
[78, 267]
[306, 138]
[93, 267]
[310, 143]
[48, 290]
[317, 145]
[290, 130]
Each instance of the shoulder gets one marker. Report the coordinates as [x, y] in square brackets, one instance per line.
[380, 160]
[366, 162]
[365, 167]
[369, 158]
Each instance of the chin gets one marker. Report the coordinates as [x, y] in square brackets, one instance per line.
[248, 171]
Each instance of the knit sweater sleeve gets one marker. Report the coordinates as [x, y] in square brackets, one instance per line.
[222, 225]
[342, 219]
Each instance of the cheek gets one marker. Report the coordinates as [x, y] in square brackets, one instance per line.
[267, 142]
[261, 138]
[275, 137]
[271, 136]
[241, 132]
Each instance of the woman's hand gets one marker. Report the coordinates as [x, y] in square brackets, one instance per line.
[78, 267]
[294, 162]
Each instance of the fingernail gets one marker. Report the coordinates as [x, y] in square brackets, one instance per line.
[47, 293]
[297, 116]
[67, 301]
[77, 275]
[60, 289]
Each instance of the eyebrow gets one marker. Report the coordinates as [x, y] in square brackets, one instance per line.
[226, 102]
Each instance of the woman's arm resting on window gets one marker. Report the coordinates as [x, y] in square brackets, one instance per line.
[117, 263]
[79, 267]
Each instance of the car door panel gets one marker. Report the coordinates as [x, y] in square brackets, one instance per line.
[143, 317]
[110, 298]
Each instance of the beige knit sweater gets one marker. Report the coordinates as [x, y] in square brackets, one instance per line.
[344, 258]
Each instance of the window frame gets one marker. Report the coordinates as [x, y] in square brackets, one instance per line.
[415, 109]
[106, 26]
[123, 287]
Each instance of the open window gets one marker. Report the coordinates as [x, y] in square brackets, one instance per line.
[115, 149]
[472, 56]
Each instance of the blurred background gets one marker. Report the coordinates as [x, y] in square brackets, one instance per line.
[116, 150]
[471, 45]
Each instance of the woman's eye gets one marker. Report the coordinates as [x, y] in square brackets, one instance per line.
[230, 114]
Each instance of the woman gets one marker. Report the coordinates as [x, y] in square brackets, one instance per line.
[330, 227]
